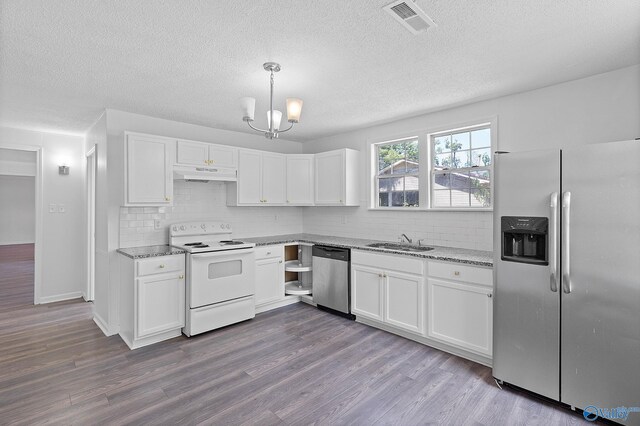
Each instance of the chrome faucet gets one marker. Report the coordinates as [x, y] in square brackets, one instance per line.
[406, 238]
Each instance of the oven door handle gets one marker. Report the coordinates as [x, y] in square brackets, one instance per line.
[222, 253]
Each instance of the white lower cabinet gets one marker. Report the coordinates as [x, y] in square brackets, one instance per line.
[366, 291]
[404, 306]
[460, 307]
[152, 299]
[269, 292]
[442, 304]
[382, 290]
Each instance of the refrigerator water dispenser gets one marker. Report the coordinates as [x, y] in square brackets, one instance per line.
[525, 239]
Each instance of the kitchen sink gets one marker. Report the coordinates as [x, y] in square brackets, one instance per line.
[402, 247]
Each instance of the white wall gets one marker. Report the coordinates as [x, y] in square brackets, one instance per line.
[17, 210]
[97, 137]
[62, 250]
[600, 108]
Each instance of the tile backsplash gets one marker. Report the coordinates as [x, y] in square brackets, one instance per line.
[195, 201]
[207, 201]
[471, 230]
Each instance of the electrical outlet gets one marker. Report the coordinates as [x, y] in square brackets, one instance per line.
[156, 224]
[53, 208]
[62, 208]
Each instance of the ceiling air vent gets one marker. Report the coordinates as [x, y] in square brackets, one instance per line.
[410, 16]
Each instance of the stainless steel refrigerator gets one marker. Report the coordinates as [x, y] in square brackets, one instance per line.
[567, 274]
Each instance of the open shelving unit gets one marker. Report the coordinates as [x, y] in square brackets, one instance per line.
[298, 269]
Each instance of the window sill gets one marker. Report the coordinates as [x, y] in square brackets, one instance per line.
[433, 209]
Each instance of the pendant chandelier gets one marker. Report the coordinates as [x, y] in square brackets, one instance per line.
[294, 108]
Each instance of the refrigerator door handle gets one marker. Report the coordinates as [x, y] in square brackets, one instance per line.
[566, 242]
[553, 242]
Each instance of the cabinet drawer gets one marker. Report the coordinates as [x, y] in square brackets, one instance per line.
[460, 272]
[158, 265]
[385, 262]
[267, 252]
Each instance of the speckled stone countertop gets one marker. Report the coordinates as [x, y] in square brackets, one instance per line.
[149, 251]
[449, 254]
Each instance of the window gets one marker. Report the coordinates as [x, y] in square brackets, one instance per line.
[461, 168]
[456, 171]
[397, 173]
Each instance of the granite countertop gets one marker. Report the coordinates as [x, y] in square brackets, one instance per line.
[449, 254]
[149, 251]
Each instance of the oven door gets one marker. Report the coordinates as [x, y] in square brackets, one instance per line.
[219, 276]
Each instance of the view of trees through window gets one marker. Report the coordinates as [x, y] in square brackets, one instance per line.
[397, 174]
[461, 168]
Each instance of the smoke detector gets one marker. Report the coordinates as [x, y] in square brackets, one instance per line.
[410, 16]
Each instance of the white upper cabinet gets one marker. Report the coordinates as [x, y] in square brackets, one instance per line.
[148, 170]
[205, 154]
[261, 179]
[274, 172]
[336, 178]
[300, 179]
[249, 185]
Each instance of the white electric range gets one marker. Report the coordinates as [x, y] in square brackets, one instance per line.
[220, 275]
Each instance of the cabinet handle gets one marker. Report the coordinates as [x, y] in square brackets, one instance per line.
[489, 295]
[268, 253]
[181, 277]
[161, 266]
[167, 198]
[456, 273]
[280, 261]
[380, 275]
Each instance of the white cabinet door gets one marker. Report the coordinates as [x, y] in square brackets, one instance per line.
[300, 179]
[223, 156]
[461, 315]
[249, 177]
[149, 174]
[273, 178]
[193, 153]
[366, 292]
[269, 280]
[160, 304]
[404, 307]
[329, 177]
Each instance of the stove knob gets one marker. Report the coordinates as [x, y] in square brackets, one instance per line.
[203, 226]
[182, 228]
[228, 226]
[221, 226]
[175, 228]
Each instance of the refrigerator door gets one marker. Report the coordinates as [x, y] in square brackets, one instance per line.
[527, 301]
[601, 282]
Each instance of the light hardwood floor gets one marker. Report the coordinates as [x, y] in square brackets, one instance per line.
[294, 365]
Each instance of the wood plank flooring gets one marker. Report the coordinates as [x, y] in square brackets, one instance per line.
[295, 365]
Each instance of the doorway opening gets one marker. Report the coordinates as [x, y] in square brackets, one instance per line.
[19, 238]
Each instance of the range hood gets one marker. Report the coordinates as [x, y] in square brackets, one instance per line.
[205, 174]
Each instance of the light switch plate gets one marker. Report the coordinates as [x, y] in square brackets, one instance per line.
[53, 208]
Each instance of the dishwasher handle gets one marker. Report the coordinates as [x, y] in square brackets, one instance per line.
[334, 253]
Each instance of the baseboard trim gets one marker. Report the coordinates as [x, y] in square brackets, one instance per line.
[60, 297]
[102, 325]
[288, 300]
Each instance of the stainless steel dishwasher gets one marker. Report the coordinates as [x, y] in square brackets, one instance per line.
[331, 271]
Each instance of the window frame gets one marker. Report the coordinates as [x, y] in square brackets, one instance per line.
[432, 172]
[377, 177]
[425, 155]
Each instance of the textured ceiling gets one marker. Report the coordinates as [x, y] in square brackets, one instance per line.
[62, 62]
